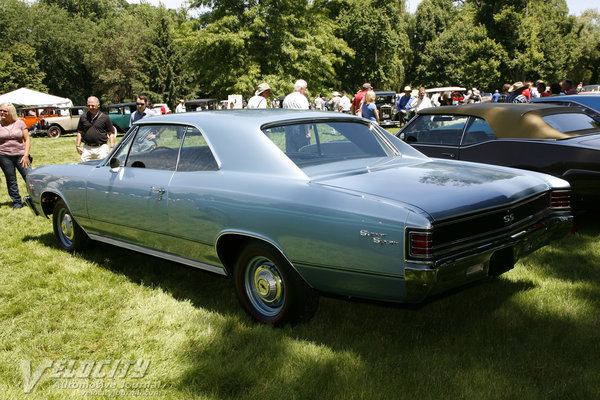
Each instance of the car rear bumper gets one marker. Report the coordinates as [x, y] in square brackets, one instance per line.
[492, 259]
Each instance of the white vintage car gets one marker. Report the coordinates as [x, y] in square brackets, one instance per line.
[66, 121]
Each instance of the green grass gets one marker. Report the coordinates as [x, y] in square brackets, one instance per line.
[533, 333]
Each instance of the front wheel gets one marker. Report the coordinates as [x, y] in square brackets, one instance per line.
[67, 232]
[54, 132]
[269, 289]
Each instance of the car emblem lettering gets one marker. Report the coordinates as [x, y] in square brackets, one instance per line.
[509, 218]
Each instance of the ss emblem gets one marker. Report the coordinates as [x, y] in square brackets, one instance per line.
[509, 218]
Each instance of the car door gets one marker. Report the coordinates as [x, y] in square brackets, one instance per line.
[130, 202]
[436, 135]
[198, 205]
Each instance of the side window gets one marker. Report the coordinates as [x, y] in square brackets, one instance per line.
[155, 147]
[195, 155]
[478, 132]
[436, 129]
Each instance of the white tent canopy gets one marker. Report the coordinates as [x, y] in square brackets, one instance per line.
[28, 97]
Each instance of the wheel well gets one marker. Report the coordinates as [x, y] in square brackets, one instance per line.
[48, 201]
[230, 245]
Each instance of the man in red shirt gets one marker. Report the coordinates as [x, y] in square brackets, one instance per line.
[358, 98]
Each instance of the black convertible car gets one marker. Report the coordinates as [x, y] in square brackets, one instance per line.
[561, 141]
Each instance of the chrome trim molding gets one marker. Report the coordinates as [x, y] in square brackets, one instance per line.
[160, 254]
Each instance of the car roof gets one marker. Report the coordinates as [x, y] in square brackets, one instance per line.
[589, 99]
[131, 103]
[509, 120]
[254, 150]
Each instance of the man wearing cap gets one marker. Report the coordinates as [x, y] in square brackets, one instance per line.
[180, 107]
[404, 104]
[334, 103]
[516, 93]
[259, 100]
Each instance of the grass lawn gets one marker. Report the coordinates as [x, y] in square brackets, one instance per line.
[114, 323]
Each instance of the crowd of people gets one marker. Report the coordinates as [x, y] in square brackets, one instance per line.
[96, 133]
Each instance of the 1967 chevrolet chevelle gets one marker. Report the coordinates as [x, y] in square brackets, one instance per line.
[290, 204]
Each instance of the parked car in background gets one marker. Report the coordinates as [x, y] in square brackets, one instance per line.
[161, 108]
[33, 116]
[456, 93]
[588, 102]
[350, 210]
[120, 114]
[386, 105]
[201, 104]
[591, 88]
[561, 141]
[65, 121]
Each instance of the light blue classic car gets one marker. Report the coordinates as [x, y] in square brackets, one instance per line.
[293, 203]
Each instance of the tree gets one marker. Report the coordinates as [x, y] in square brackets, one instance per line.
[462, 54]
[536, 34]
[433, 17]
[586, 67]
[238, 44]
[374, 30]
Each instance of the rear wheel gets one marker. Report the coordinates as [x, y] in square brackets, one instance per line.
[67, 232]
[54, 131]
[270, 290]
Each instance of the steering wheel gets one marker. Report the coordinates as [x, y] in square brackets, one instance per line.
[160, 148]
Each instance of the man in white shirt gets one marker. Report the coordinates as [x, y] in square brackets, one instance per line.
[421, 101]
[259, 100]
[180, 107]
[297, 99]
[297, 137]
[345, 103]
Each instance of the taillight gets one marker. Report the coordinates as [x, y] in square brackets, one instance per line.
[420, 245]
[560, 199]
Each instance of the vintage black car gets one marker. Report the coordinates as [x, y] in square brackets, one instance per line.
[561, 141]
[386, 105]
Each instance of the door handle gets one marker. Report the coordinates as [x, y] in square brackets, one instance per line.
[451, 155]
[158, 190]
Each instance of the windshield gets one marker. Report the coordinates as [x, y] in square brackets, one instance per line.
[315, 143]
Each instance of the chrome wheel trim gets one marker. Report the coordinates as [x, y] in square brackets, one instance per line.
[66, 229]
[264, 285]
[54, 132]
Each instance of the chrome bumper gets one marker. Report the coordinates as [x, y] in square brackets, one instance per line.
[466, 267]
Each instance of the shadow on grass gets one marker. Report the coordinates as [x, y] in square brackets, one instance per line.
[491, 339]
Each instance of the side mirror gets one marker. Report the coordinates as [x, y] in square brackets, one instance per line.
[114, 164]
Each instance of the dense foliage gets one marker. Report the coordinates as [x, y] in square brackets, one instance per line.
[213, 48]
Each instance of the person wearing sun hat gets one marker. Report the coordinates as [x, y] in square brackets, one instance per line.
[516, 93]
[259, 100]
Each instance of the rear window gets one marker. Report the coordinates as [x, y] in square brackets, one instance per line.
[571, 122]
[315, 143]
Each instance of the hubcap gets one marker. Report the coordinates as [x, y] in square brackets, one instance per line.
[66, 226]
[264, 286]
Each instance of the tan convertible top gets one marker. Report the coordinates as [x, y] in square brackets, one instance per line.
[522, 121]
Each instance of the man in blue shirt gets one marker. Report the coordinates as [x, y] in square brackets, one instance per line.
[496, 96]
[404, 105]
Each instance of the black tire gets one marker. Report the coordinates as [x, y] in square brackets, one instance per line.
[269, 288]
[54, 131]
[67, 232]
